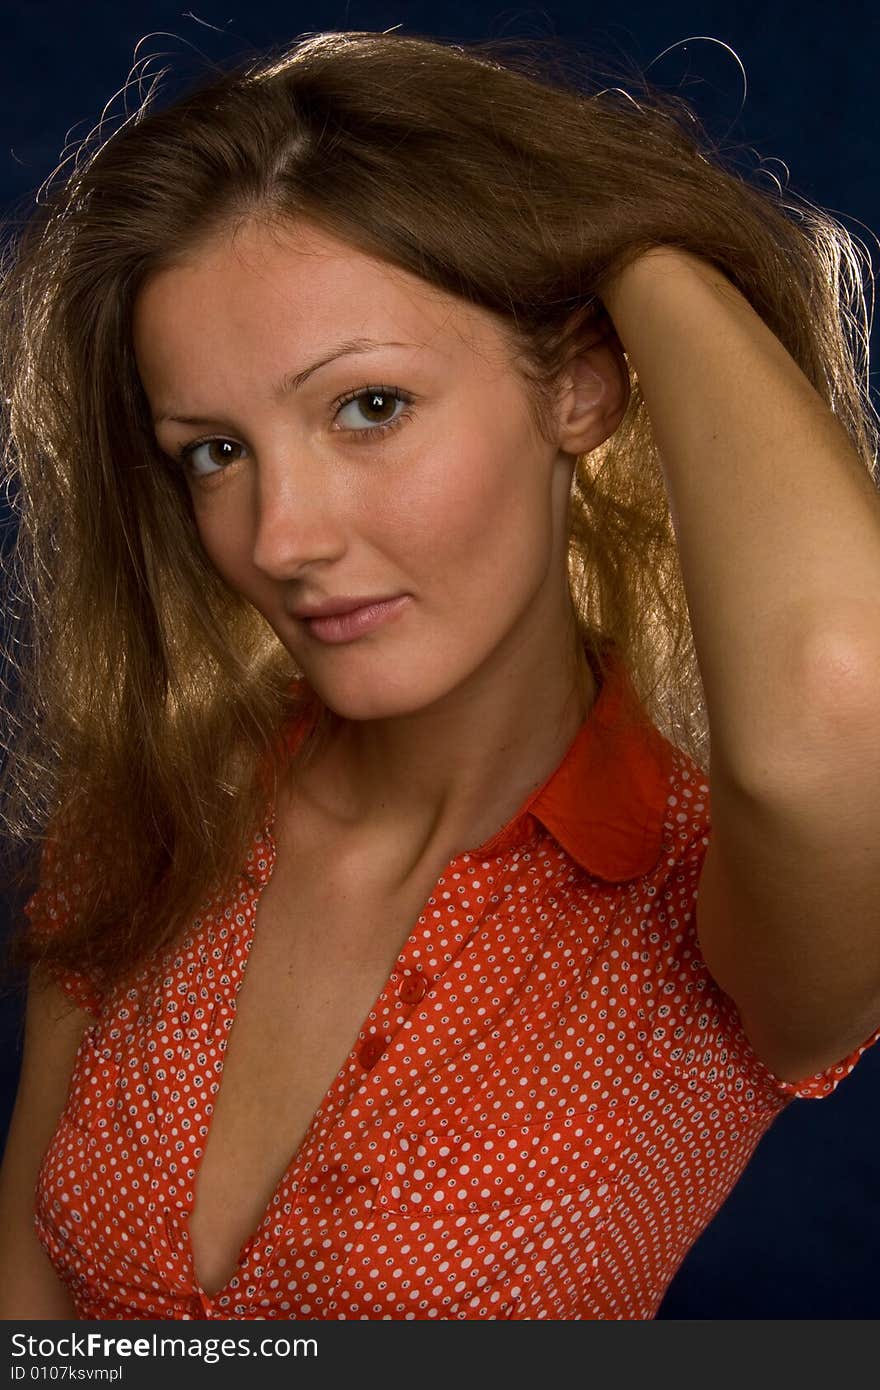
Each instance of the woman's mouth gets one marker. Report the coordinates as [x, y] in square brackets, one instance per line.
[344, 627]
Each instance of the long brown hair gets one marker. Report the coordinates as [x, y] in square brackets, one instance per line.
[145, 697]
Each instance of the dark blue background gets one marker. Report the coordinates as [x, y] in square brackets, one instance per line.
[800, 1234]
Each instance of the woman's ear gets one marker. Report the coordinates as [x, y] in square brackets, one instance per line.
[595, 392]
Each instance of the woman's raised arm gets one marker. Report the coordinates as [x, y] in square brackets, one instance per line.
[777, 524]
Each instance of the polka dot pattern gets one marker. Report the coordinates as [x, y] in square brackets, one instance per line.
[547, 1105]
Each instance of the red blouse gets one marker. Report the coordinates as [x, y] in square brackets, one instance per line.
[548, 1103]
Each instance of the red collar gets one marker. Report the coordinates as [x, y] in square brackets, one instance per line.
[606, 801]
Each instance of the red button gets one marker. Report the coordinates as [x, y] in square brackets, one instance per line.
[371, 1050]
[412, 988]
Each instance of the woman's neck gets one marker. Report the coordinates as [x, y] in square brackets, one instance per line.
[445, 779]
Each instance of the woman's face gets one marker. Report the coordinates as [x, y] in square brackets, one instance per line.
[301, 496]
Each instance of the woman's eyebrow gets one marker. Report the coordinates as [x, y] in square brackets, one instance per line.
[292, 381]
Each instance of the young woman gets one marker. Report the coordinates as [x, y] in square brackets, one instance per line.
[409, 504]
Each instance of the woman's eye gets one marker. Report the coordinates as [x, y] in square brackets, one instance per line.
[370, 407]
[216, 451]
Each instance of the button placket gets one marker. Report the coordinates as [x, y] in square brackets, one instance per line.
[474, 1016]
[388, 1026]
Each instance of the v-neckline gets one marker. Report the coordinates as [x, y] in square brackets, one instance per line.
[292, 737]
[242, 938]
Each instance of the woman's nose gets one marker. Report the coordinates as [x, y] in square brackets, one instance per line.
[298, 519]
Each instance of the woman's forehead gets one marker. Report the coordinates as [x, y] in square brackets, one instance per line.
[312, 290]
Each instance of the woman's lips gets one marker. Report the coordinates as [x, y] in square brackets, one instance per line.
[346, 626]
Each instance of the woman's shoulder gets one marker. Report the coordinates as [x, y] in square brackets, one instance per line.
[50, 909]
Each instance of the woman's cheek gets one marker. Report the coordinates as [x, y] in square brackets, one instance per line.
[463, 492]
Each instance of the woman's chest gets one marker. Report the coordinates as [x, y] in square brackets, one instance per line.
[320, 954]
[468, 1108]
